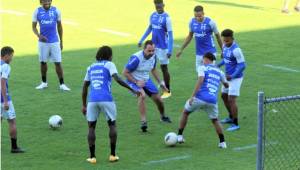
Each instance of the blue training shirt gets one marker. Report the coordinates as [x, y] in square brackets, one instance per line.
[213, 76]
[203, 33]
[47, 20]
[99, 75]
[5, 72]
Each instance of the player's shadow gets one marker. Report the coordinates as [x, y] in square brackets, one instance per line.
[230, 4]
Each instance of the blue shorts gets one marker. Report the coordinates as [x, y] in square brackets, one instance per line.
[149, 87]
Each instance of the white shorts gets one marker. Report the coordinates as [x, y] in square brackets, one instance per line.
[10, 113]
[162, 56]
[50, 51]
[94, 109]
[199, 60]
[234, 87]
[209, 108]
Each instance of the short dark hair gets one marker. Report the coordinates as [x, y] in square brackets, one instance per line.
[227, 33]
[158, 1]
[198, 8]
[104, 53]
[209, 56]
[148, 42]
[6, 51]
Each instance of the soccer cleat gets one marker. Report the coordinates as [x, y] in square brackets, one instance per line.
[64, 87]
[17, 150]
[92, 160]
[233, 127]
[286, 11]
[165, 119]
[166, 95]
[297, 8]
[113, 158]
[227, 120]
[144, 126]
[222, 145]
[180, 139]
[42, 86]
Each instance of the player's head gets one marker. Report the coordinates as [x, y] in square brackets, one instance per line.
[104, 53]
[199, 13]
[208, 58]
[159, 6]
[46, 4]
[227, 36]
[7, 54]
[149, 49]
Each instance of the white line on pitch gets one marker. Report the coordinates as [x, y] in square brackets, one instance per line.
[253, 146]
[122, 34]
[168, 159]
[281, 68]
[13, 12]
[177, 45]
[69, 22]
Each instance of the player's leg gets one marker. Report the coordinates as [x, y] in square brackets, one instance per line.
[199, 62]
[227, 104]
[220, 133]
[56, 58]
[92, 114]
[164, 61]
[44, 53]
[285, 8]
[297, 6]
[142, 110]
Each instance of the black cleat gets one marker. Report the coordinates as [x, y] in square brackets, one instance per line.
[144, 126]
[165, 119]
[17, 150]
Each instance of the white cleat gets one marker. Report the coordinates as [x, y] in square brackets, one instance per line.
[64, 87]
[42, 86]
[222, 145]
[180, 139]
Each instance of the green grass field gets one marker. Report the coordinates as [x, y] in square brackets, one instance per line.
[265, 35]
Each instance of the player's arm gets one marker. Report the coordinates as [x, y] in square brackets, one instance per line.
[130, 67]
[3, 93]
[170, 36]
[121, 82]
[147, 32]
[59, 28]
[34, 28]
[196, 89]
[185, 44]
[214, 27]
[241, 65]
[161, 82]
[223, 80]
[221, 63]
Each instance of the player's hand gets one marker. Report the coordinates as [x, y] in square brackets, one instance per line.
[6, 106]
[140, 83]
[169, 55]
[61, 46]
[191, 100]
[137, 93]
[178, 54]
[139, 45]
[43, 38]
[83, 110]
[228, 77]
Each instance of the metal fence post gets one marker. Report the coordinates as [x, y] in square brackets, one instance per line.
[260, 124]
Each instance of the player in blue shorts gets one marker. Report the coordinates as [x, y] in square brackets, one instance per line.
[205, 97]
[137, 71]
[162, 36]
[50, 45]
[235, 64]
[202, 28]
[98, 77]
[7, 107]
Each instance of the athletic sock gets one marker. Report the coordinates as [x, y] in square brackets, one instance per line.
[61, 81]
[168, 87]
[44, 79]
[92, 151]
[222, 138]
[235, 121]
[180, 131]
[13, 143]
[230, 116]
[113, 149]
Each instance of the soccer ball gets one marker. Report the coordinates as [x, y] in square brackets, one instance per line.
[171, 139]
[55, 121]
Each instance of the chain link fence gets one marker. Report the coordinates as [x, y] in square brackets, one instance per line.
[278, 133]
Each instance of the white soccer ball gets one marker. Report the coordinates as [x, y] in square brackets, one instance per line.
[171, 139]
[55, 121]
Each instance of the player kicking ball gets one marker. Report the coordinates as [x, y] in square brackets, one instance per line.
[98, 77]
[205, 96]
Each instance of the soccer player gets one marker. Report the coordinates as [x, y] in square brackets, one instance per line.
[137, 71]
[162, 36]
[203, 29]
[234, 62]
[285, 8]
[205, 96]
[50, 45]
[98, 77]
[7, 107]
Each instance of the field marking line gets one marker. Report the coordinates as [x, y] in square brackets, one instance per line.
[70, 22]
[167, 159]
[252, 146]
[122, 34]
[12, 12]
[281, 68]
